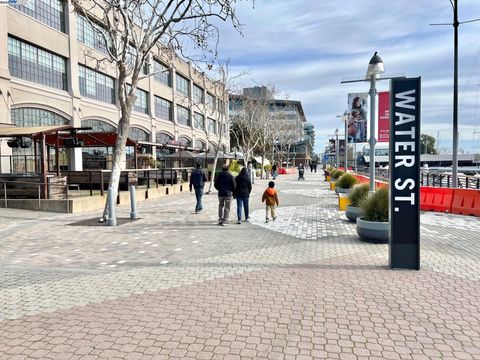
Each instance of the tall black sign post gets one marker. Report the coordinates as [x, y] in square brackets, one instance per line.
[404, 210]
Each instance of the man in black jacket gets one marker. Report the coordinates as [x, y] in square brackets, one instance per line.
[197, 181]
[225, 184]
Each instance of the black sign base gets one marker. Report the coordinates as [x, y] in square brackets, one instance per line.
[401, 257]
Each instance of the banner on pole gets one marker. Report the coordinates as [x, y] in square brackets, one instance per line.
[383, 117]
[357, 117]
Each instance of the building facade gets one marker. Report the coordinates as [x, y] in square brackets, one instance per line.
[49, 75]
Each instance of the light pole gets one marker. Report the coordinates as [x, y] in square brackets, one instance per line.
[336, 150]
[375, 68]
[344, 118]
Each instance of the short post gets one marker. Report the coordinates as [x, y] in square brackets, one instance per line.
[111, 221]
[133, 203]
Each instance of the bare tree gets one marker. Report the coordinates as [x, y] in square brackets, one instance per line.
[133, 30]
[245, 131]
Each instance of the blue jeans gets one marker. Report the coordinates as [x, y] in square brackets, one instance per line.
[198, 195]
[242, 200]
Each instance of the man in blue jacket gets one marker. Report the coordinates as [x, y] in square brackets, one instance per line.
[225, 184]
[197, 181]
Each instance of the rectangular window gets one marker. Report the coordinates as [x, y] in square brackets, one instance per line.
[199, 121]
[162, 73]
[211, 101]
[90, 35]
[96, 85]
[212, 126]
[163, 109]
[221, 106]
[183, 116]
[37, 65]
[198, 94]
[182, 85]
[141, 103]
[50, 12]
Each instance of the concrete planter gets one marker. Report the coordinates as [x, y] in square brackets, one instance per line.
[372, 231]
[340, 190]
[353, 212]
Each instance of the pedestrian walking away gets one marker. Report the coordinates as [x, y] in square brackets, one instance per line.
[225, 184]
[197, 182]
[243, 188]
[270, 198]
[274, 171]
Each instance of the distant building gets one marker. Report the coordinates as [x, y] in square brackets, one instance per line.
[46, 78]
[296, 138]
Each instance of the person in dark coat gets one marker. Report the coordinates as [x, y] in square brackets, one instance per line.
[225, 184]
[243, 187]
[197, 182]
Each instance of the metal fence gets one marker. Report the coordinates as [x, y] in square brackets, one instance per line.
[431, 178]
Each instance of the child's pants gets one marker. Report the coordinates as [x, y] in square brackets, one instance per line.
[272, 210]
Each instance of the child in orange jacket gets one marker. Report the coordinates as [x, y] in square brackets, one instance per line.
[270, 198]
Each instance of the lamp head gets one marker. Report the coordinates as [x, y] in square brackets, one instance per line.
[375, 66]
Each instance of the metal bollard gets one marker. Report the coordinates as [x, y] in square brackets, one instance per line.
[133, 203]
[111, 221]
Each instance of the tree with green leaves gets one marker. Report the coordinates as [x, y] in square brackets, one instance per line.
[427, 145]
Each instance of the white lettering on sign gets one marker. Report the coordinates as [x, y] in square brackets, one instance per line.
[404, 152]
[406, 99]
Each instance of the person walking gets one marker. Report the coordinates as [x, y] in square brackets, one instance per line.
[243, 188]
[270, 198]
[197, 182]
[225, 184]
[274, 170]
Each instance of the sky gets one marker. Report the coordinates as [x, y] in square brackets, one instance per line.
[305, 48]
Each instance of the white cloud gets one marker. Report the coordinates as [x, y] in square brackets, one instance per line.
[307, 47]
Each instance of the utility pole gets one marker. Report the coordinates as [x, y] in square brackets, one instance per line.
[455, 24]
[455, 95]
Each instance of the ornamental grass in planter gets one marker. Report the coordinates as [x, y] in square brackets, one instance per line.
[357, 195]
[373, 225]
[344, 183]
[334, 175]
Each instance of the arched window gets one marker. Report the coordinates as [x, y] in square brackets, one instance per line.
[163, 138]
[136, 133]
[23, 160]
[185, 141]
[200, 144]
[37, 117]
[98, 125]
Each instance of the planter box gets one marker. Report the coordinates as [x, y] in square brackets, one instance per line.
[343, 201]
[353, 212]
[372, 231]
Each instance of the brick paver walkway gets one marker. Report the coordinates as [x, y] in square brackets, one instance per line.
[175, 285]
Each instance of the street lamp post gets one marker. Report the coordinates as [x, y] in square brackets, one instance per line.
[375, 68]
[345, 119]
[337, 152]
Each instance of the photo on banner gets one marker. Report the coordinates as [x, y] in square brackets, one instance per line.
[357, 117]
[383, 116]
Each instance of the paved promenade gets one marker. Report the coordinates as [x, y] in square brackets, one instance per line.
[175, 285]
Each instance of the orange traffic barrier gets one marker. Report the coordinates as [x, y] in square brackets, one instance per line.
[466, 202]
[436, 199]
